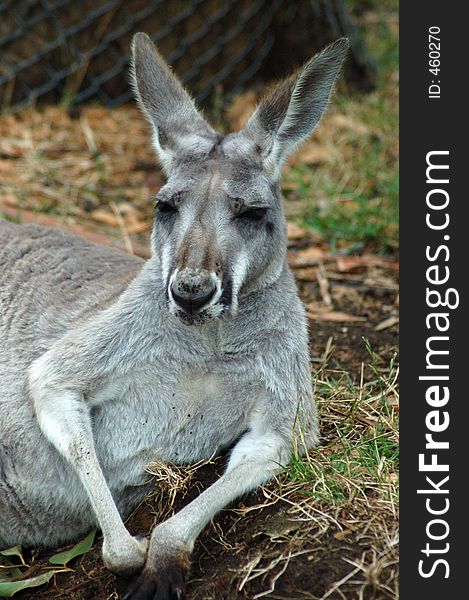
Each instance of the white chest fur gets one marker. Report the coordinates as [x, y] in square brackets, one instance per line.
[182, 417]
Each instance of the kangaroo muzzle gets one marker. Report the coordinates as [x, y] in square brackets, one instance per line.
[194, 289]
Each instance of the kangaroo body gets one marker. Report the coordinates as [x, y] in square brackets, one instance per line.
[188, 396]
[109, 363]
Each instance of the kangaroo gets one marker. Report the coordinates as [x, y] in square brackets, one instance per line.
[109, 362]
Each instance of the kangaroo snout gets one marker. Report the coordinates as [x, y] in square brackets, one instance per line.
[193, 289]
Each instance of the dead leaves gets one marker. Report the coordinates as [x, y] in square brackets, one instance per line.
[295, 232]
[389, 322]
[80, 174]
[314, 255]
[340, 281]
[346, 264]
[95, 175]
[352, 123]
[17, 577]
[122, 214]
[312, 153]
[323, 282]
[322, 314]
[88, 231]
[307, 257]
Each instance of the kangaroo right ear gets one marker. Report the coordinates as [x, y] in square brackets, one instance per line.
[291, 112]
[178, 126]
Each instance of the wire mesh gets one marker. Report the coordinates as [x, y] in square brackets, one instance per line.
[70, 51]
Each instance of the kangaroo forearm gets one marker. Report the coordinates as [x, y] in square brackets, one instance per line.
[255, 458]
[187, 524]
[64, 420]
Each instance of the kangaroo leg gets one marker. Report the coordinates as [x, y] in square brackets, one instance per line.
[64, 419]
[254, 460]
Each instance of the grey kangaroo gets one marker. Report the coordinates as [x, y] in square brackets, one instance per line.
[108, 362]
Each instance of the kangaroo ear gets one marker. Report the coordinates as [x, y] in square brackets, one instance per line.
[293, 109]
[178, 127]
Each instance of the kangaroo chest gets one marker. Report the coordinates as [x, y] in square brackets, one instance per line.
[173, 416]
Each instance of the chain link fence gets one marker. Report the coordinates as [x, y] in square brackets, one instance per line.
[70, 51]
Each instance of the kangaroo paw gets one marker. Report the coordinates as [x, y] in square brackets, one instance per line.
[165, 581]
[127, 558]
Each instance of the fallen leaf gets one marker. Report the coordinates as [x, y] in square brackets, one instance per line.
[10, 588]
[323, 285]
[62, 558]
[342, 121]
[280, 525]
[295, 232]
[332, 315]
[313, 154]
[307, 257]
[381, 281]
[289, 186]
[370, 420]
[351, 263]
[104, 216]
[29, 216]
[10, 198]
[306, 274]
[89, 135]
[340, 535]
[13, 551]
[9, 571]
[140, 227]
[389, 322]
[346, 293]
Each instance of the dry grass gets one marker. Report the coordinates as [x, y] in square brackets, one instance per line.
[172, 484]
[95, 170]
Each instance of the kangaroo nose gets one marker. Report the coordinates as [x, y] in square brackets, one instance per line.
[191, 290]
[192, 304]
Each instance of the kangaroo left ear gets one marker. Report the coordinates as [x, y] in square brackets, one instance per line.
[292, 111]
[178, 126]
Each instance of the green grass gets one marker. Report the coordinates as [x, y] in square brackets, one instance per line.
[360, 459]
[351, 201]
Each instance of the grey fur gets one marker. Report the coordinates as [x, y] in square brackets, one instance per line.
[102, 371]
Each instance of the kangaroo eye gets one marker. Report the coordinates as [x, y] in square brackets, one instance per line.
[165, 208]
[253, 214]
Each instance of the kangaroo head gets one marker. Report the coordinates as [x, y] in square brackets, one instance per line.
[219, 231]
